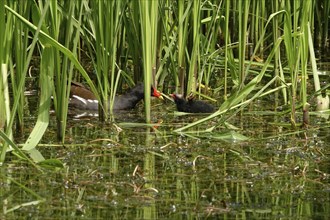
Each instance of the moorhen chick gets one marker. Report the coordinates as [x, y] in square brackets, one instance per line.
[191, 105]
[83, 99]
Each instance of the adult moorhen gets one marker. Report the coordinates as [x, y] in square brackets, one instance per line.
[84, 99]
[191, 105]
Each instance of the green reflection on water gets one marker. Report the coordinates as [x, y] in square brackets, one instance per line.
[140, 173]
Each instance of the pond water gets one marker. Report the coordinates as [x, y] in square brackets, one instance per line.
[123, 170]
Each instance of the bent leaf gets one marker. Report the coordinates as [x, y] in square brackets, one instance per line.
[44, 106]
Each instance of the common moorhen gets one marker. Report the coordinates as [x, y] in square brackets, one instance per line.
[83, 99]
[191, 105]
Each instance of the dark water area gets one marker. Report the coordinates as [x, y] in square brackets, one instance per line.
[129, 170]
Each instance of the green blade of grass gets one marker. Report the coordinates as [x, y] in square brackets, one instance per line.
[17, 149]
[44, 106]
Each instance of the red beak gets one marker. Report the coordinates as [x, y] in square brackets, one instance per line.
[156, 93]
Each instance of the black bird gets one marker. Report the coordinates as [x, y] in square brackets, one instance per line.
[83, 99]
[191, 105]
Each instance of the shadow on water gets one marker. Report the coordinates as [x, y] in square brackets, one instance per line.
[128, 170]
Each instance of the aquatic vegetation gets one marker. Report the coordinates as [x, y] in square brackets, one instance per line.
[231, 54]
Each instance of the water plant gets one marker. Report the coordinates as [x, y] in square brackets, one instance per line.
[221, 50]
[233, 53]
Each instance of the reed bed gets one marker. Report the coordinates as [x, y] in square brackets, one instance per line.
[225, 46]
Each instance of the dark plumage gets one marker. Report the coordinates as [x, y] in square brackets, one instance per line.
[191, 105]
[84, 99]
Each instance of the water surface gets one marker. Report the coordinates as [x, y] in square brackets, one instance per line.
[132, 171]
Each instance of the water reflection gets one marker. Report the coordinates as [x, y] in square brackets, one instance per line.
[141, 172]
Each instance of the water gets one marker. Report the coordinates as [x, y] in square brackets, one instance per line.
[139, 172]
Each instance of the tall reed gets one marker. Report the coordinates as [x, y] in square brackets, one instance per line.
[47, 40]
[5, 35]
[149, 22]
[103, 33]
[227, 45]
[183, 21]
